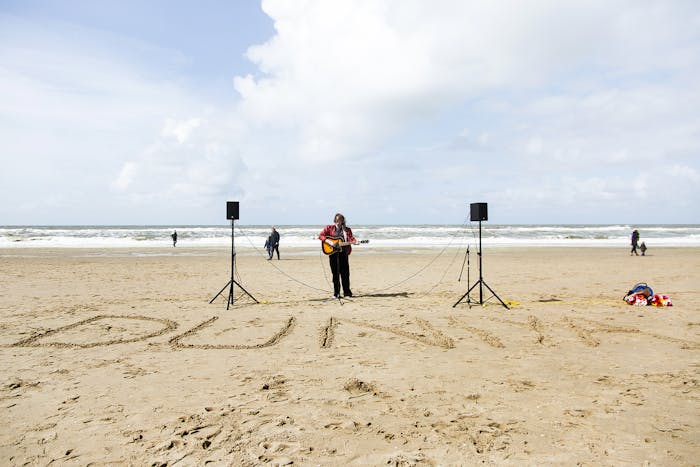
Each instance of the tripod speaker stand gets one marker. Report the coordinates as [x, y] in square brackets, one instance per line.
[478, 212]
[232, 213]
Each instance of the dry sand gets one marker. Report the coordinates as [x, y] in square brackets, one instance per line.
[118, 358]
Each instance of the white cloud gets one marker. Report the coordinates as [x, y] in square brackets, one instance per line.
[408, 109]
[125, 177]
[684, 172]
[183, 166]
[180, 130]
[348, 75]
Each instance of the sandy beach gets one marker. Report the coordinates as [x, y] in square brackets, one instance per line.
[117, 357]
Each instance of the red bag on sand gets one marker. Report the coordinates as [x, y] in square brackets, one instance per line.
[661, 300]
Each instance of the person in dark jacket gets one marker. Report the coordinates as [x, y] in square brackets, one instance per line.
[634, 241]
[273, 244]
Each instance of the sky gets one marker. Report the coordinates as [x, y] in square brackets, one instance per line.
[389, 111]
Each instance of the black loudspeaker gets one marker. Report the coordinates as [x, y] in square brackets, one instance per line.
[478, 212]
[232, 210]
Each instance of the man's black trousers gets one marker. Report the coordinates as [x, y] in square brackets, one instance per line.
[341, 272]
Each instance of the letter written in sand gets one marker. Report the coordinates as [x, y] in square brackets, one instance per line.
[278, 336]
[428, 335]
[101, 330]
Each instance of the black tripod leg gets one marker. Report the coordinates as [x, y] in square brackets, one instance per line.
[230, 294]
[215, 296]
[494, 294]
[244, 290]
[460, 299]
[466, 295]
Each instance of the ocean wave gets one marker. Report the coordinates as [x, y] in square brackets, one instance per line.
[385, 236]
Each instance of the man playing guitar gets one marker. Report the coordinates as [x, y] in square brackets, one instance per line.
[332, 235]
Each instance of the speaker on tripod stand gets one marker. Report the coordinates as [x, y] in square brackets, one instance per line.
[232, 215]
[479, 212]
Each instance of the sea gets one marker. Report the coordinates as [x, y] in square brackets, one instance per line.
[381, 237]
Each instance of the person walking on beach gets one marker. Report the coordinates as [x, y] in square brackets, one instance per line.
[340, 267]
[273, 244]
[634, 241]
[643, 249]
[174, 236]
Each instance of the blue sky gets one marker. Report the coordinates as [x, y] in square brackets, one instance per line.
[389, 111]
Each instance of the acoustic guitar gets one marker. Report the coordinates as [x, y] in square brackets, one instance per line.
[338, 244]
